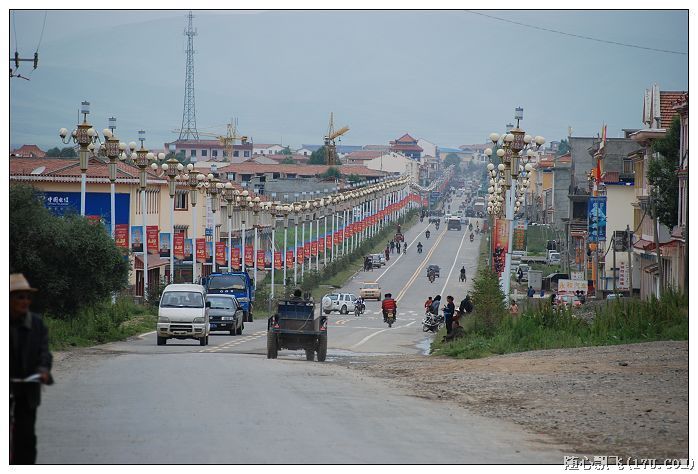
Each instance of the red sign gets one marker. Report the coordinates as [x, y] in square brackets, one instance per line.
[260, 258]
[221, 253]
[201, 250]
[278, 264]
[328, 241]
[321, 243]
[121, 236]
[153, 235]
[501, 237]
[289, 258]
[249, 255]
[306, 249]
[179, 246]
[313, 248]
[236, 258]
[299, 252]
[337, 238]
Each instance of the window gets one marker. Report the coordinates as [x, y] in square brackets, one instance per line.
[627, 166]
[247, 153]
[204, 152]
[214, 152]
[236, 153]
[181, 200]
[192, 153]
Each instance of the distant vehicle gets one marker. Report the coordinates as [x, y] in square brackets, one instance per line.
[294, 326]
[553, 258]
[614, 296]
[436, 269]
[377, 260]
[183, 314]
[225, 314]
[518, 253]
[238, 284]
[342, 302]
[370, 290]
[454, 224]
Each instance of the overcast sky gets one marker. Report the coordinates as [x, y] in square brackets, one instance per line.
[450, 77]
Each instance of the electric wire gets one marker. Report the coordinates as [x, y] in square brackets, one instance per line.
[42, 32]
[549, 30]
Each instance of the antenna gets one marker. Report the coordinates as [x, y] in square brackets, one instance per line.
[188, 130]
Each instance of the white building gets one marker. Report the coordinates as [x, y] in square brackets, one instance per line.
[266, 148]
[430, 149]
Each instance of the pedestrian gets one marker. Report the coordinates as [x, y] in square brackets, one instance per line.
[449, 310]
[398, 246]
[519, 275]
[514, 308]
[387, 254]
[427, 304]
[530, 292]
[466, 305]
[542, 293]
[29, 355]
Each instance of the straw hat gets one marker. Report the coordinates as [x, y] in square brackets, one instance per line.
[19, 283]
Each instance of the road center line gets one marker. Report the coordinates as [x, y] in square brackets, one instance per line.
[420, 267]
[454, 264]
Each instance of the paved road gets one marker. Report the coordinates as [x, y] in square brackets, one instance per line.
[136, 402]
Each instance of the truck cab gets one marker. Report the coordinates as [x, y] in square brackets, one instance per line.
[238, 284]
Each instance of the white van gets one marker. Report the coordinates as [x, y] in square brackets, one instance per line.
[554, 258]
[183, 314]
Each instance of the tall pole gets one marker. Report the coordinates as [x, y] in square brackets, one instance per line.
[303, 244]
[295, 249]
[254, 256]
[273, 250]
[344, 233]
[614, 263]
[230, 236]
[334, 215]
[630, 259]
[145, 238]
[285, 246]
[324, 250]
[242, 238]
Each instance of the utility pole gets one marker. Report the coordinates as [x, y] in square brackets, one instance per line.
[656, 243]
[613, 242]
[630, 257]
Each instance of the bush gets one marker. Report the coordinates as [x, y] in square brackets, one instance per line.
[487, 301]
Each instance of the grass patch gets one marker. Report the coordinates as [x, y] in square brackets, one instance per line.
[104, 322]
[618, 322]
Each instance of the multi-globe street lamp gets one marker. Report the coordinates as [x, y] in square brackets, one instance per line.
[173, 169]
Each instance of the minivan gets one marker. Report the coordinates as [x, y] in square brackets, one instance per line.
[183, 314]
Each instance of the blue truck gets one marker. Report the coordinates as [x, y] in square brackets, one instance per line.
[238, 284]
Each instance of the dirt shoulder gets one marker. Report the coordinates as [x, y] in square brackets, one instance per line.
[626, 400]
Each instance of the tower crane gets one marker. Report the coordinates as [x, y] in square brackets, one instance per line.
[227, 140]
[330, 147]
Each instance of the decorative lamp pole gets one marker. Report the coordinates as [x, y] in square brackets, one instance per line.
[229, 196]
[284, 211]
[256, 207]
[296, 214]
[85, 136]
[143, 159]
[192, 179]
[243, 215]
[214, 190]
[173, 169]
[113, 151]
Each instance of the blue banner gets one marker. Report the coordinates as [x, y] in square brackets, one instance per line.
[165, 244]
[97, 205]
[597, 218]
[137, 239]
[188, 251]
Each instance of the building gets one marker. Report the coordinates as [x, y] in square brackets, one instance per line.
[29, 151]
[428, 148]
[394, 163]
[267, 148]
[209, 150]
[464, 156]
[407, 146]
[680, 232]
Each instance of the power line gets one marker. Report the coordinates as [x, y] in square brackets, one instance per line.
[549, 30]
[42, 32]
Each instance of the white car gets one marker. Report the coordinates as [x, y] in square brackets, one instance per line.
[183, 314]
[342, 302]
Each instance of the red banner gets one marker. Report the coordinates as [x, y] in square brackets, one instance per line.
[153, 235]
[201, 250]
[321, 243]
[236, 258]
[249, 255]
[260, 258]
[221, 254]
[313, 248]
[179, 246]
[338, 237]
[278, 264]
[289, 258]
[306, 249]
[501, 237]
[299, 253]
[328, 241]
[121, 236]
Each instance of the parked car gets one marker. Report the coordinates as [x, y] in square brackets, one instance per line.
[614, 296]
[225, 314]
[183, 314]
[341, 302]
[370, 290]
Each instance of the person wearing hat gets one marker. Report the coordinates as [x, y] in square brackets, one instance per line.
[29, 355]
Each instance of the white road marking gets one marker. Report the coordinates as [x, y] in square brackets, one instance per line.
[454, 264]
[365, 339]
[401, 255]
[141, 336]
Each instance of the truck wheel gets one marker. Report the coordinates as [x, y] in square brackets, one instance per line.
[344, 310]
[272, 349]
[322, 348]
[309, 354]
[162, 341]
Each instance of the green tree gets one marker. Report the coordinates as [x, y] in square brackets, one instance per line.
[661, 174]
[564, 147]
[68, 152]
[488, 301]
[452, 159]
[286, 151]
[331, 173]
[354, 178]
[72, 261]
[288, 161]
[54, 152]
[317, 157]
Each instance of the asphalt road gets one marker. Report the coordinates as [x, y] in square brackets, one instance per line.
[136, 402]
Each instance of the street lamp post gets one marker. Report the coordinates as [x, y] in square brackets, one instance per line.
[296, 213]
[244, 201]
[229, 195]
[255, 211]
[284, 212]
[113, 151]
[172, 168]
[85, 136]
[192, 179]
[214, 190]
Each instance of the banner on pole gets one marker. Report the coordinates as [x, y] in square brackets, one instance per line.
[121, 235]
[165, 244]
[188, 251]
[321, 243]
[260, 259]
[299, 253]
[596, 212]
[278, 263]
[136, 239]
[151, 233]
[249, 255]
[221, 254]
[236, 258]
[178, 247]
[201, 250]
[502, 234]
[209, 252]
[289, 258]
[313, 248]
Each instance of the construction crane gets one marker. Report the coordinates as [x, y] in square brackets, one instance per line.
[330, 147]
[226, 141]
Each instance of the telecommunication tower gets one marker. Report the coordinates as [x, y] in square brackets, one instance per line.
[188, 129]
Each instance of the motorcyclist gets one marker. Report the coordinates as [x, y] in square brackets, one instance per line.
[427, 234]
[359, 305]
[388, 304]
[462, 273]
[404, 249]
[431, 275]
[472, 236]
[419, 247]
[470, 227]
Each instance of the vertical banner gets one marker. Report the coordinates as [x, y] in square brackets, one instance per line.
[306, 249]
[596, 212]
[519, 240]
[278, 263]
[178, 247]
[502, 234]
[260, 259]
[236, 258]
[188, 251]
[623, 283]
[313, 248]
[249, 255]
[289, 258]
[121, 235]
[136, 238]
[328, 241]
[209, 252]
[321, 244]
[151, 233]
[165, 244]
[299, 252]
[201, 250]
[221, 254]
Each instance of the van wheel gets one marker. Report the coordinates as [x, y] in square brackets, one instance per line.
[344, 310]
[309, 354]
[328, 312]
[272, 349]
[203, 341]
[322, 348]
[162, 341]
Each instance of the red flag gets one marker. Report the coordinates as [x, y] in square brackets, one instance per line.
[121, 236]
[249, 255]
[299, 253]
[260, 258]
[313, 248]
[221, 254]
[179, 246]
[236, 258]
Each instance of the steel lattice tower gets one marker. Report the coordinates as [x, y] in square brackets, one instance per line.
[188, 130]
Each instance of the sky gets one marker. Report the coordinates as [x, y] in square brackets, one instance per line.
[450, 77]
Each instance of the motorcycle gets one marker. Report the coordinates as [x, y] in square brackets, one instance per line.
[427, 234]
[404, 250]
[359, 309]
[472, 237]
[390, 318]
[431, 277]
[432, 322]
[419, 249]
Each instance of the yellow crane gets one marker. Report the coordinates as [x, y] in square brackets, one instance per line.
[330, 147]
[227, 141]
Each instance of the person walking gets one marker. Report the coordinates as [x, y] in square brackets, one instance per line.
[29, 355]
[449, 310]
[387, 253]
[392, 246]
[427, 304]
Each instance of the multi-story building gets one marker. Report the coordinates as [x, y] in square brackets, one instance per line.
[210, 150]
[407, 146]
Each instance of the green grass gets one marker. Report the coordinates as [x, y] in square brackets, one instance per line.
[617, 322]
[105, 322]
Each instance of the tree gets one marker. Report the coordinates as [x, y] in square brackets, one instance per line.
[54, 152]
[662, 175]
[72, 261]
[563, 148]
[354, 178]
[68, 152]
[488, 300]
[452, 159]
[288, 161]
[331, 173]
[317, 157]
[286, 151]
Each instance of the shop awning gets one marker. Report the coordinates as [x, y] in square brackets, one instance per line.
[154, 261]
